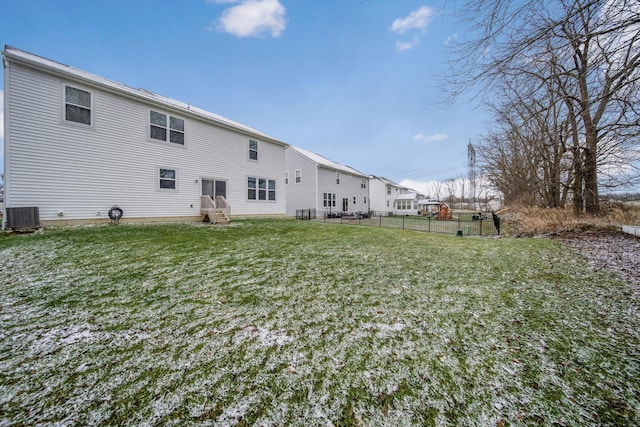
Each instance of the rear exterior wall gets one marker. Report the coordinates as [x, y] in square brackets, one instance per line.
[77, 172]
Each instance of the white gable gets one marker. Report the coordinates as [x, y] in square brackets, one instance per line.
[56, 67]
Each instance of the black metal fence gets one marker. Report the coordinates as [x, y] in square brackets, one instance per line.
[462, 224]
[306, 214]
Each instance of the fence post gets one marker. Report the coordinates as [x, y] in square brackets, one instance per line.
[380, 219]
[403, 221]
[481, 221]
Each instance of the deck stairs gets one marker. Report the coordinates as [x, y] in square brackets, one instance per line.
[216, 211]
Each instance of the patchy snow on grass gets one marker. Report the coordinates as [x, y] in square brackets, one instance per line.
[294, 323]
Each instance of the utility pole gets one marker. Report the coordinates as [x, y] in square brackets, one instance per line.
[471, 155]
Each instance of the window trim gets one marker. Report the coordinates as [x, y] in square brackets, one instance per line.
[298, 176]
[286, 177]
[337, 178]
[63, 107]
[251, 150]
[159, 178]
[268, 192]
[329, 200]
[168, 129]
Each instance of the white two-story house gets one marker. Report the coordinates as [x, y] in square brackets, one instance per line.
[77, 144]
[388, 197]
[315, 182]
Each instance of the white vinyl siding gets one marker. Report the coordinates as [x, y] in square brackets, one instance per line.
[114, 162]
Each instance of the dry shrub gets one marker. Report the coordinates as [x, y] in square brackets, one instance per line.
[534, 221]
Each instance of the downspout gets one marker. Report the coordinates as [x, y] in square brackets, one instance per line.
[5, 174]
[317, 190]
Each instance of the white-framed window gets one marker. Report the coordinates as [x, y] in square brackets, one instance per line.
[365, 200]
[329, 200]
[337, 177]
[261, 189]
[165, 127]
[286, 177]
[354, 200]
[405, 205]
[167, 179]
[253, 150]
[387, 203]
[363, 183]
[78, 105]
[298, 173]
[388, 190]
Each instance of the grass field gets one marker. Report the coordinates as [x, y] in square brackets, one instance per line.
[283, 322]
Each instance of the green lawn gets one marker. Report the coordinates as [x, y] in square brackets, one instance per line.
[283, 322]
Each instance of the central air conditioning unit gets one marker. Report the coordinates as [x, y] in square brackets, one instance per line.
[28, 217]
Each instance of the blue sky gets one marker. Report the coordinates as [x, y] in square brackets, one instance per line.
[353, 80]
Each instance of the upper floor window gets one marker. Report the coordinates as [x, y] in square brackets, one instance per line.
[363, 183]
[298, 173]
[77, 105]
[253, 150]
[337, 177]
[164, 127]
[286, 177]
[388, 190]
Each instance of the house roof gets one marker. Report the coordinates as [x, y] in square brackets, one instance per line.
[388, 182]
[14, 54]
[323, 161]
[407, 196]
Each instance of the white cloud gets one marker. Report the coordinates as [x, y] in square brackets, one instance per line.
[402, 46]
[422, 187]
[252, 18]
[451, 39]
[417, 20]
[431, 138]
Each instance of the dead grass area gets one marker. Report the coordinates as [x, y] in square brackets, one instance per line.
[524, 221]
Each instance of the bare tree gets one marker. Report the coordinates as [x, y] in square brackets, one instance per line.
[591, 53]
[462, 183]
[436, 188]
[451, 188]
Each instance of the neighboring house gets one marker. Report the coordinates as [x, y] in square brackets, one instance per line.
[315, 182]
[388, 197]
[77, 144]
[383, 194]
